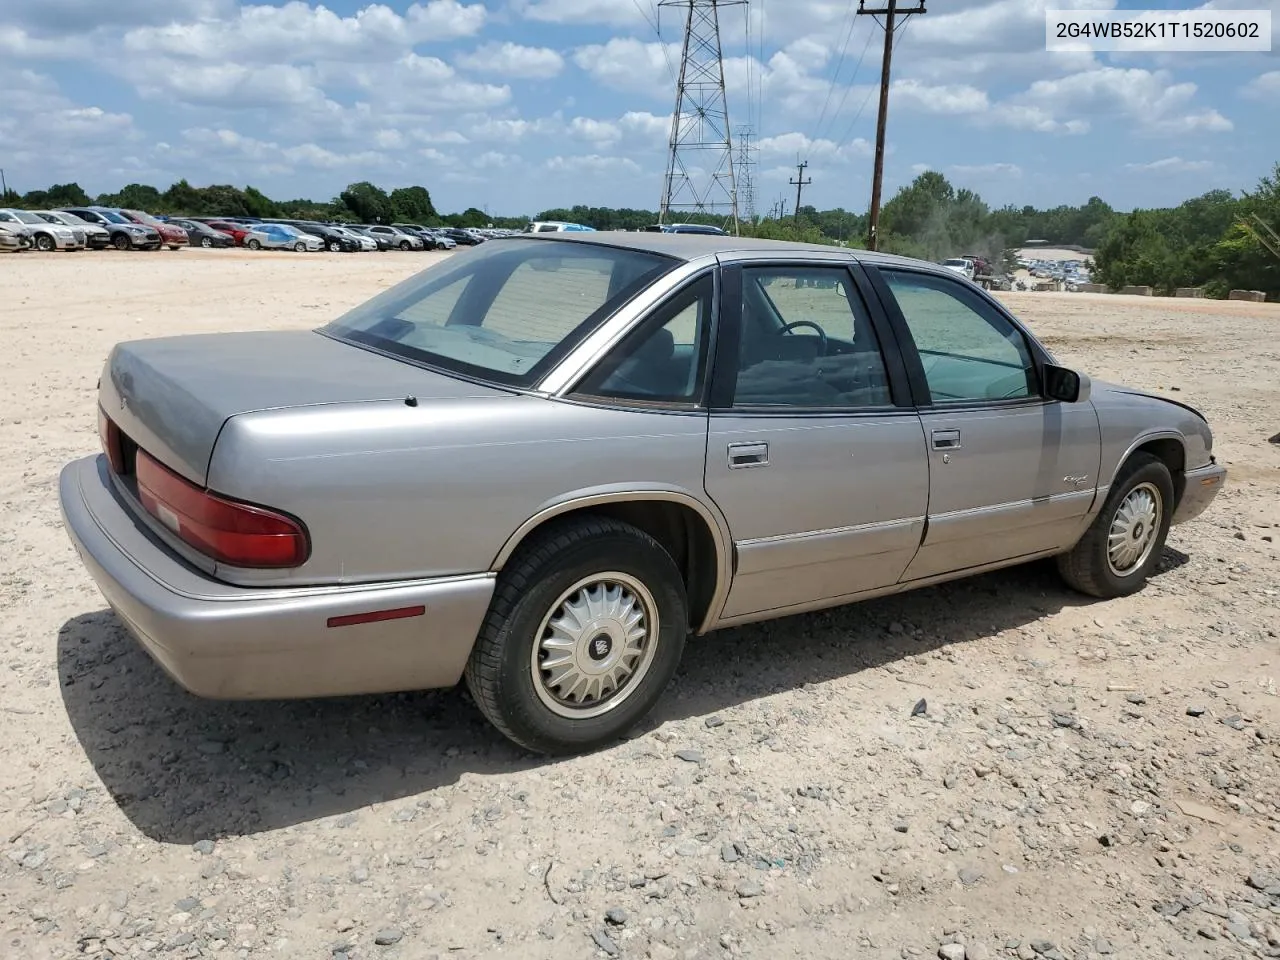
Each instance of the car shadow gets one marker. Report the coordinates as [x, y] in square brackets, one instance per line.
[184, 769]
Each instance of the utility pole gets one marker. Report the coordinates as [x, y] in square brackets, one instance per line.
[891, 13]
[800, 183]
[700, 136]
[4, 186]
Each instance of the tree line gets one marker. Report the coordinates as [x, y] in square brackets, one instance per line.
[1218, 241]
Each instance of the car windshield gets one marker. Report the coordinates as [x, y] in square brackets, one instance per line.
[70, 218]
[112, 216]
[505, 311]
[27, 216]
[955, 263]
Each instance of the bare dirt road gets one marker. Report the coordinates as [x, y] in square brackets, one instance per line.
[1089, 779]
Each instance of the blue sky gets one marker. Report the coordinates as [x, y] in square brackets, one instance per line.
[518, 105]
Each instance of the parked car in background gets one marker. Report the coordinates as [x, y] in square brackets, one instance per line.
[125, 234]
[464, 238]
[633, 438]
[442, 242]
[429, 240]
[366, 242]
[395, 237]
[961, 266]
[175, 238]
[14, 237]
[95, 237]
[235, 230]
[45, 235]
[201, 234]
[334, 241]
[685, 228]
[281, 236]
[556, 226]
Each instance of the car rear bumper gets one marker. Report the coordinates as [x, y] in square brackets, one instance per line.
[1202, 485]
[227, 642]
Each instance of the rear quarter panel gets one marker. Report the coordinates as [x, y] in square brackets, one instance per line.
[388, 491]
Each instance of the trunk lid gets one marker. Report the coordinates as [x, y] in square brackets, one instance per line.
[171, 395]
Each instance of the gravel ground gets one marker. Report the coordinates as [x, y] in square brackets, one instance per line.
[992, 768]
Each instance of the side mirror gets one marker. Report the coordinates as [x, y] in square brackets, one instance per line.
[1066, 385]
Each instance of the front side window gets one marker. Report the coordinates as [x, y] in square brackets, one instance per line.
[807, 341]
[663, 361]
[969, 351]
[504, 311]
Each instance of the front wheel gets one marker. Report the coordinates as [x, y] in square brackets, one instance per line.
[44, 243]
[121, 241]
[585, 630]
[206, 242]
[1122, 546]
[300, 247]
[333, 246]
[254, 244]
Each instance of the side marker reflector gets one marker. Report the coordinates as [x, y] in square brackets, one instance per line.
[375, 616]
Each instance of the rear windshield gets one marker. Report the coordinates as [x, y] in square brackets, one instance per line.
[505, 311]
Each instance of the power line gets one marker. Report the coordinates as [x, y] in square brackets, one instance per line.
[835, 74]
[890, 12]
[849, 86]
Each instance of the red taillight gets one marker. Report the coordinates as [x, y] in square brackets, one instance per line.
[233, 533]
[111, 446]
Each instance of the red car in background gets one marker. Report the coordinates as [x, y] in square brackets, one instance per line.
[174, 237]
[238, 231]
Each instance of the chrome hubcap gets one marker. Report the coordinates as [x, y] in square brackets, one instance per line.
[1133, 529]
[595, 645]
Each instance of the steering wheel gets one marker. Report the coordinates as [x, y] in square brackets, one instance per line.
[822, 334]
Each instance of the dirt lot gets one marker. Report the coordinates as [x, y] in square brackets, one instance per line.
[1089, 779]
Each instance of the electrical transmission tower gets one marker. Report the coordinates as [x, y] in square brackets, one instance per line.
[700, 175]
[743, 175]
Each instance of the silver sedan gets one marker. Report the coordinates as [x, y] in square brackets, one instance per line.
[540, 465]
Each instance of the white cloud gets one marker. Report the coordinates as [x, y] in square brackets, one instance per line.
[233, 85]
[234, 146]
[617, 13]
[1171, 165]
[646, 125]
[298, 31]
[513, 60]
[984, 170]
[592, 165]
[1264, 87]
[796, 144]
[594, 131]
[626, 63]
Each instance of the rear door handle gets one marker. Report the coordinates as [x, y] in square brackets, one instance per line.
[946, 439]
[748, 455]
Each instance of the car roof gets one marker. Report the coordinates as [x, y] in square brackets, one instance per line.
[691, 246]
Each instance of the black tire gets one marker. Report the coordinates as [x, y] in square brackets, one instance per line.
[499, 673]
[121, 241]
[254, 244]
[334, 246]
[44, 243]
[175, 246]
[1086, 566]
[206, 242]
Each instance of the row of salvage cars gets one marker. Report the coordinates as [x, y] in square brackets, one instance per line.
[98, 227]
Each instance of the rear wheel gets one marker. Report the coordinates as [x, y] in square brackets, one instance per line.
[586, 628]
[1122, 546]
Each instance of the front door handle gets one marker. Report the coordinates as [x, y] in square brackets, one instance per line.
[748, 455]
[946, 439]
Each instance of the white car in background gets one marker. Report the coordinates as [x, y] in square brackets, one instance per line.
[366, 242]
[961, 266]
[281, 236]
[44, 235]
[96, 236]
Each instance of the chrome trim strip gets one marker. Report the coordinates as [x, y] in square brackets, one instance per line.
[716, 524]
[877, 526]
[997, 508]
[562, 378]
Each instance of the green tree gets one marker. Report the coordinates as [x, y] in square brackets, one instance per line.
[366, 203]
[412, 205]
[135, 196]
